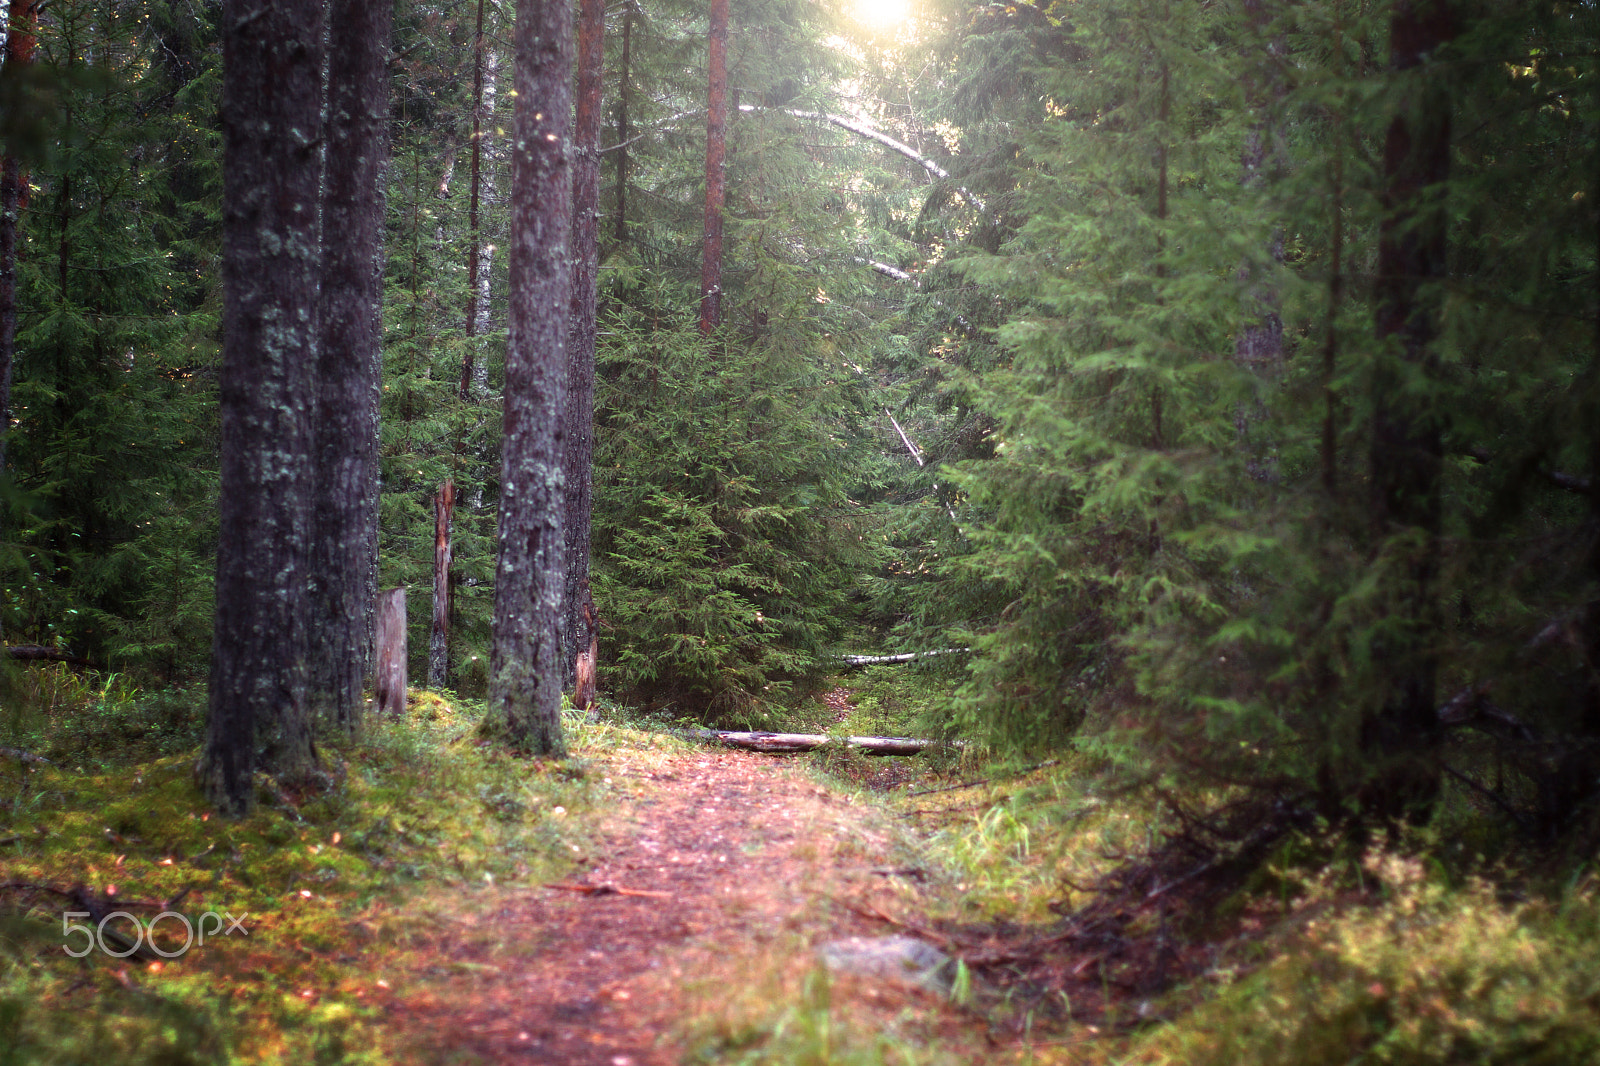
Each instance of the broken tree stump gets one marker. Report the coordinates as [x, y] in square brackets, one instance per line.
[389, 676]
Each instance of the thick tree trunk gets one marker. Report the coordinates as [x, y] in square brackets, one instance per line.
[578, 635]
[525, 669]
[344, 548]
[1407, 452]
[271, 112]
[444, 506]
[716, 166]
[19, 48]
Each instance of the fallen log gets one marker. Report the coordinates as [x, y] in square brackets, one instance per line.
[778, 743]
[907, 657]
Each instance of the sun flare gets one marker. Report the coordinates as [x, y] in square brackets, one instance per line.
[882, 14]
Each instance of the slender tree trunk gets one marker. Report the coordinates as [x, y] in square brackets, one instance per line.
[1258, 349]
[716, 165]
[271, 112]
[1407, 459]
[623, 100]
[579, 444]
[344, 548]
[474, 240]
[21, 40]
[525, 669]
[444, 506]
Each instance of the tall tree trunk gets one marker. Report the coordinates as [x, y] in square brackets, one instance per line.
[579, 444]
[716, 165]
[271, 112]
[623, 100]
[525, 669]
[1406, 460]
[21, 40]
[444, 506]
[474, 239]
[344, 551]
[1258, 349]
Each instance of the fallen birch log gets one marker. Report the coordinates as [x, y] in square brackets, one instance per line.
[786, 742]
[906, 657]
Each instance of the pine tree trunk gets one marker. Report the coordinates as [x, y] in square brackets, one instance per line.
[716, 166]
[444, 506]
[579, 443]
[1406, 458]
[345, 527]
[525, 668]
[271, 112]
[19, 49]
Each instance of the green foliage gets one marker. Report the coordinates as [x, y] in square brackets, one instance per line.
[720, 573]
[1430, 975]
[324, 882]
[114, 437]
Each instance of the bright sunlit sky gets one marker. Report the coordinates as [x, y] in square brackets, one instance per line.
[882, 14]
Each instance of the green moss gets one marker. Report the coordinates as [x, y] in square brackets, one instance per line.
[319, 881]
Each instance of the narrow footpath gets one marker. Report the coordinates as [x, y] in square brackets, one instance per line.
[700, 905]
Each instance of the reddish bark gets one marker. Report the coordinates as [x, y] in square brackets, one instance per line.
[21, 40]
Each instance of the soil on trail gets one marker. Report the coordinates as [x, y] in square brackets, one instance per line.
[712, 862]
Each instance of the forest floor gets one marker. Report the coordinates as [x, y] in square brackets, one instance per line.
[698, 907]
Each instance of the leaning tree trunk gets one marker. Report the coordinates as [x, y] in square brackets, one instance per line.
[525, 669]
[344, 548]
[271, 110]
[716, 165]
[19, 48]
[1406, 462]
[578, 461]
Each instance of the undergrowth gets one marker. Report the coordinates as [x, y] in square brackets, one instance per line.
[316, 884]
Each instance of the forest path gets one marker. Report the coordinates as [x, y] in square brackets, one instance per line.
[742, 865]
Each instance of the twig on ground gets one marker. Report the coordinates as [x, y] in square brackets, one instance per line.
[607, 890]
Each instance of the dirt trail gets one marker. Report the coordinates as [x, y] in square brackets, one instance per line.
[741, 857]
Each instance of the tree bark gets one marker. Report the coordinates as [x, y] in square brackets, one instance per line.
[622, 125]
[474, 239]
[344, 550]
[525, 669]
[716, 165]
[389, 675]
[21, 41]
[271, 114]
[1407, 453]
[444, 505]
[578, 461]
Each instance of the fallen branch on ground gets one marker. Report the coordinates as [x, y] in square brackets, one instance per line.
[779, 743]
[607, 890]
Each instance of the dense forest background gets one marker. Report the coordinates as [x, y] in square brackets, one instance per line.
[1219, 383]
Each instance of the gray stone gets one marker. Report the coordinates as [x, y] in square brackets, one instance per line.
[901, 959]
